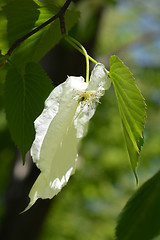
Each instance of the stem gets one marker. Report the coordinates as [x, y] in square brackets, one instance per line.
[74, 42]
[80, 48]
[87, 64]
[85, 54]
[59, 15]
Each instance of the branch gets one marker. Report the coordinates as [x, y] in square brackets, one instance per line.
[59, 15]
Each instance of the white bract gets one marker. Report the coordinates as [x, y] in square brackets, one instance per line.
[59, 128]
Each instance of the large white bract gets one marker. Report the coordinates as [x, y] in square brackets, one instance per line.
[59, 128]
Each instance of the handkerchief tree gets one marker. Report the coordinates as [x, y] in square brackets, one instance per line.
[52, 134]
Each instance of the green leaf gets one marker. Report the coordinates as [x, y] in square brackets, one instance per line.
[24, 100]
[3, 31]
[2, 59]
[140, 218]
[19, 18]
[35, 47]
[131, 106]
[3, 70]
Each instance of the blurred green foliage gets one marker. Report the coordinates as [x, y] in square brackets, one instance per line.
[87, 208]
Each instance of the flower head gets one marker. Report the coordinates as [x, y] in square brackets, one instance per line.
[59, 128]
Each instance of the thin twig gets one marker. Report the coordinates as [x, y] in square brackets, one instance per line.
[62, 24]
[59, 15]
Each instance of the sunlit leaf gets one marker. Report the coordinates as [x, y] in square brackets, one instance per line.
[20, 17]
[2, 59]
[131, 106]
[35, 47]
[24, 99]
[140, 218]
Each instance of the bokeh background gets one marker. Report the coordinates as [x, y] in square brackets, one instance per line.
[88, 207]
